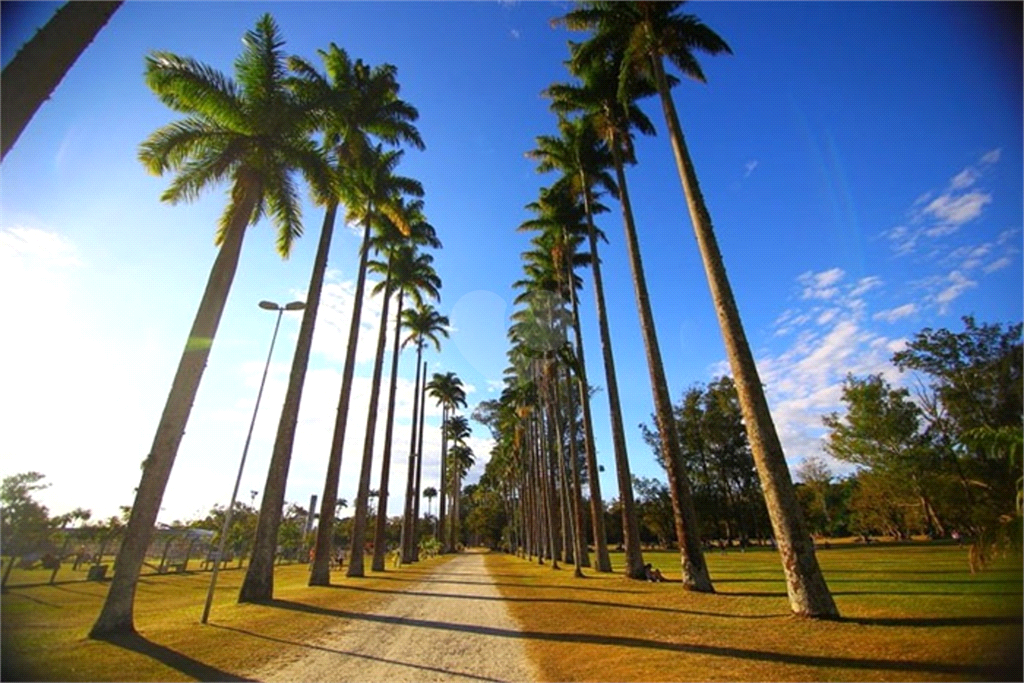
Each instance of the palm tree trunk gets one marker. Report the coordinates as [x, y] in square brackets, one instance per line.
[604, 563]
[419, 469]
[574, 465]
[568, 554]
[695, 571]
[442, 480]
[571, 501]
[379, 548]
[261, 566]
[407, 519]
[355, 565]
[630, 527]
[40, 65]
[808, 592]
[117, 615]
[321, 573]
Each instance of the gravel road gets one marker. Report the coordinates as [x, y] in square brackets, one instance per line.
[452, 626]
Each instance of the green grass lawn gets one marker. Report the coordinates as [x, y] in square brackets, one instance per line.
[909, 612]
[43, 628]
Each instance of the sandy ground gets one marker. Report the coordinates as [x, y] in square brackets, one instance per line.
[452, 626]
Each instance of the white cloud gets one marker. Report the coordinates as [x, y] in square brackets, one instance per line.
[749, 167]
[956, 211]
[495, 385]
[514, 33]
[820, 285]
[964, 178]
[894, 314]
[866, 284]
[958, 284]
[991, 157]
[998, 264]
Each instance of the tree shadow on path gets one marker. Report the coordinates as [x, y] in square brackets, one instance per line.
[321, 648]
[685, 648]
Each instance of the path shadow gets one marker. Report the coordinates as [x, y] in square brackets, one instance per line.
[186, 665]
[564, 601]
[321, 648]
[484, 581]
[684, 648]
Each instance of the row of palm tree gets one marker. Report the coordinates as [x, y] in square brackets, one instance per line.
[277, 119]
[620, 63]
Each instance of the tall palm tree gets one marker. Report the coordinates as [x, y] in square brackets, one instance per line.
[252, 132]
[408, 272]
[561, 217]
[425, 325]
[460, 461]
[647, 33]
[353, 103]
[584, 159]
[447, 390]
[371, 190]
[602, 97]
[41, 64]
[430, 493]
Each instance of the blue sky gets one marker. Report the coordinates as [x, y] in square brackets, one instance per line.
[861, 163]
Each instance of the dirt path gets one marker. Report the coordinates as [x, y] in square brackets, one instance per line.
[450, 627]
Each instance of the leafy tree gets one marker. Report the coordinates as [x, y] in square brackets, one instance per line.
[24, 522]
[883, 431]
[654, 506]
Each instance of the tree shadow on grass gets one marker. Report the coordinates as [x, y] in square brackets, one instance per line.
[320, 648]
[563, 601]
[684, 648]
[484, 582]
[173, 659]
[932, 621]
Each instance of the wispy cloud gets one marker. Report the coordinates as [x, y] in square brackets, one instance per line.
[898, 313]
[749, 167]
[514, 33]
[933, 216]
[820, 285]
[956, 285]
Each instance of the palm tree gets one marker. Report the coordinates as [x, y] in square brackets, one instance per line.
[412, 275]
[41, 64]
[460, 460]
[561, 216]
[647, 33]
[372, 189]
[408, 272]
[602, 97]
[447, 390]
[353, 102]
[584, 159]
[429, 493]
[424, 324]
[252, 132]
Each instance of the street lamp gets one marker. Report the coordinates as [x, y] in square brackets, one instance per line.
[269, 306]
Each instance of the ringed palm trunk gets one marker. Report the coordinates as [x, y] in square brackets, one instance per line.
[407, 520]
[577, 498]
[808, 593]
[321, 573]
[694, 570]
[442, 497]
[604, 563]
[419, 469]
[379, 549]
[630, 527]
[117, 613]
[260, 575]
[355, 565]
[39, 67]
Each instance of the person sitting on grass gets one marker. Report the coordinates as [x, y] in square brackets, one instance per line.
[653, 574]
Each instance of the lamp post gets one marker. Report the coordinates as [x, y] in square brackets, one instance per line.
[269, 306]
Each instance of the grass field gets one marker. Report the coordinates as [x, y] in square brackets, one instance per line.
[909, 612]
[44, 627]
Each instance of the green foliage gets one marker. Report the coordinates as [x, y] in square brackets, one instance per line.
[24, 522]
